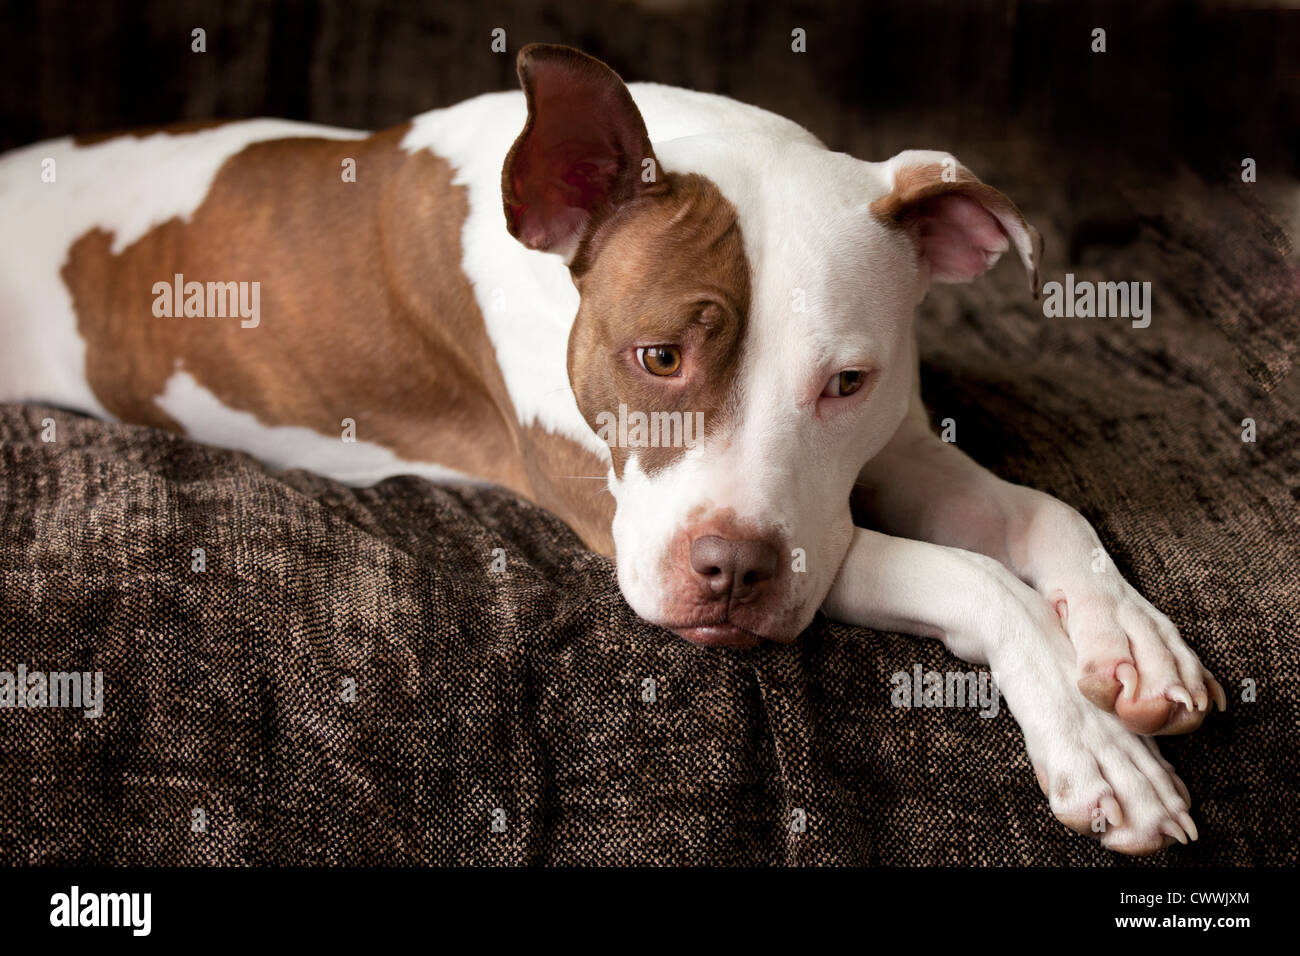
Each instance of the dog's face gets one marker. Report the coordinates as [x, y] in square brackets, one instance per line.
[778, 318]
[743, 340]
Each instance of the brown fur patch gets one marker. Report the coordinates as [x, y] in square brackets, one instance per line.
[365, 314]
[572, 482]
[667, 269]
[354, 321]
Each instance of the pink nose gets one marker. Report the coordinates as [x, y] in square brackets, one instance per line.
[738, 568]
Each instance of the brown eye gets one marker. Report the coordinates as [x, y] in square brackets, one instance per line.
[660, 359]
[844, 383]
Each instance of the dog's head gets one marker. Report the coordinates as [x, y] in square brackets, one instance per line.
[744, 335]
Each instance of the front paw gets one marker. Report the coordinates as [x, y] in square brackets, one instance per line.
[1132, 662]
[1100, 777]
[1105, 782]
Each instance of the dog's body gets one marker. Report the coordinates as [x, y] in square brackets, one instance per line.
[662, 253]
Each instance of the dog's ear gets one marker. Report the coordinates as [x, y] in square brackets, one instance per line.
[960, 225]
[582, 152]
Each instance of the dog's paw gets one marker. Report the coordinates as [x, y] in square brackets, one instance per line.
[1108, 783]
[1131, 661]
[1100, 777]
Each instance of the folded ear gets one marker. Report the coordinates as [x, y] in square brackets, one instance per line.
[960, 225]
[581, 154]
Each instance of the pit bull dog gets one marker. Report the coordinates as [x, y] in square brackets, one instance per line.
[545, 290]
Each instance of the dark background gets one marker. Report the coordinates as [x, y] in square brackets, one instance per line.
[1205, 83]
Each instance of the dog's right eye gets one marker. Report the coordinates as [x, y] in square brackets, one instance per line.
[662, 360]
[843, 384]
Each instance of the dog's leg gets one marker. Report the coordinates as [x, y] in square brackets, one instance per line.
[1130, 659]
[1100, 778]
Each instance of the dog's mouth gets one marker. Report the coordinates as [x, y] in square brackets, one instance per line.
[722, 634]
[726, 628]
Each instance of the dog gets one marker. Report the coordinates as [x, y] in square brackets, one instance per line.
[677, 321]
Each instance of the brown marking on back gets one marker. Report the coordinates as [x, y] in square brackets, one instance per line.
[171, 129]
[365, 313]
[666, 269]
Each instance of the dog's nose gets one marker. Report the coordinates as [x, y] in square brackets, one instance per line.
[738, 567]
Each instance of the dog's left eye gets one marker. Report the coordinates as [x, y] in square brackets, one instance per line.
[843, 384]
[660, 360]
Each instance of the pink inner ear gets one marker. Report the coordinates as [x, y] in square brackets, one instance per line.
[561, 181]
[958, 237]
[574, 155]
[550, 215]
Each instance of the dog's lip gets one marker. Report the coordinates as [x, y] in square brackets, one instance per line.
[722, 634]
